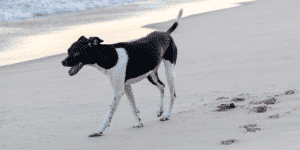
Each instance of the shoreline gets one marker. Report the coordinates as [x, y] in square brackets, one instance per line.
[137, 22]
[165, 25]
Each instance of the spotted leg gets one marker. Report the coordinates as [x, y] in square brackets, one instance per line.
[117, 79]
[153, 78]
[129, 94]
[112, 109]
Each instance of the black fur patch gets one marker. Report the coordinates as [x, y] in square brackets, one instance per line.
[93, 41]
[105, 56]
[174, 26]
[80, 51]
[158, 80]
[147, 53]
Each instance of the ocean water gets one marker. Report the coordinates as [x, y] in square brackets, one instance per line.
[31, 29]
[13, 10]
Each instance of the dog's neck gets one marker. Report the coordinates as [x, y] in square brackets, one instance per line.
[106, 55]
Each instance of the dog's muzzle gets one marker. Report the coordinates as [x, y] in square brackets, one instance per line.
[64, 63]
[75, 69]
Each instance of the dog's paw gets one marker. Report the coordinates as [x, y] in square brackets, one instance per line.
[96, 134]
[138, 126]
[165, 118]
[159, 113]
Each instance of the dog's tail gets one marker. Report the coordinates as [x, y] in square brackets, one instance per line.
[176, 22]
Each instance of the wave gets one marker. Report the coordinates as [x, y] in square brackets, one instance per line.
[13, 10]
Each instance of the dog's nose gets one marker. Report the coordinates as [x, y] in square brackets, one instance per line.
[63, 63]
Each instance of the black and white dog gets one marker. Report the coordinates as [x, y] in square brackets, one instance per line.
[127, 63]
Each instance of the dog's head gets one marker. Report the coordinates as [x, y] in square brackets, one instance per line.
[81, 53]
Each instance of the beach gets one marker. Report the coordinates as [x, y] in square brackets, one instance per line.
[247, 55]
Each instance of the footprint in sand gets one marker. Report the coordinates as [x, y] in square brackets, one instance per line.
[262, 109]
[187, 111]
[269, 101]
[236, 99]
[224, 107]
[259, 109]
[228, 142]
[251, 128]
[220, 98]
[274, 116]
[289, 92]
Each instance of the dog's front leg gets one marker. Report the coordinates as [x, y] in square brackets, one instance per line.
[117, 79]
[112, 109]
[117, 82]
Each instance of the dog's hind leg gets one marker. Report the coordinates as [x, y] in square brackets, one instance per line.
[129, 94]
[170, 73]
[153, 78]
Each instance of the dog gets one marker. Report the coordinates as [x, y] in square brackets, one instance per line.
[127, 63]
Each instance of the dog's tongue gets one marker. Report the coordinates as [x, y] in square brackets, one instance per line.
[74, 70]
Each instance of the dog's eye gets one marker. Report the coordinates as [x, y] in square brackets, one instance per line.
[76, 54]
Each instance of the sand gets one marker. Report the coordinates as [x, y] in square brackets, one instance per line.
[248, 54]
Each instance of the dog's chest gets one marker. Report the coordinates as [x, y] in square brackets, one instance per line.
[105, 71]
[119, 69]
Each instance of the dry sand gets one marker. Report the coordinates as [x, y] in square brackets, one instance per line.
[248, 53]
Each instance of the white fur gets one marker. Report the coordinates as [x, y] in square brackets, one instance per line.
[170, 73]
[129, 94]
[117, 76]
[179, 15]
[118, 68]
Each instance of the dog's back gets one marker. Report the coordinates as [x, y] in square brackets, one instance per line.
[150, 50]
[144, 55]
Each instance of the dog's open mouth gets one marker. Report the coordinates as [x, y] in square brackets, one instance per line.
[75, 69]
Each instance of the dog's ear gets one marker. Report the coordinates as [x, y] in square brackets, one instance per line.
[82, 38]
[93, 41]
